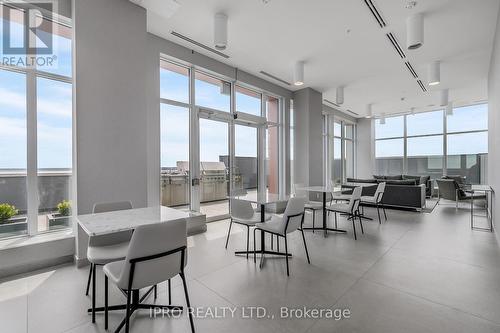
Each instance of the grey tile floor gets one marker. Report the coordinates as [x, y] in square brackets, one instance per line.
[417, 272]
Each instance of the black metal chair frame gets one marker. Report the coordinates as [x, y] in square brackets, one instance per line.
[377, 205]
[352, 216]
[134, 302]
[286, 241]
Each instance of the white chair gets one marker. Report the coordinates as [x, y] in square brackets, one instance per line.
[351, 209]
[243, 213]
[281, 226]
[376, 199]
[157, 253]
[312, 206]
[106, 248]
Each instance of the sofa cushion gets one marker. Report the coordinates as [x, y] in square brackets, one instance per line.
[355, 180]
[401, 182]
[394, 177]
[378, 177]
[415, 178]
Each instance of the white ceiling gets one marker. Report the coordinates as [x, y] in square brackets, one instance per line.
[342, 44]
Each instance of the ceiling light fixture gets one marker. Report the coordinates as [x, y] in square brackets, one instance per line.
[444, 97]
[434, 73]
[369, 110]
[414, 31]
[449, 109]
[340, 95]
[412, 111]
[298, 73]
[220, 31]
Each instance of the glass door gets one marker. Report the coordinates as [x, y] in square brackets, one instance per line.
[245, 172]
[214, 168]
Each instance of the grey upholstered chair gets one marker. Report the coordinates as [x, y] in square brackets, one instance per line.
[281, 226]
[450, 189]
[157, 253]
[312, 206]
[243, 213]
[351, 209]
[376, 199]
[106, 248]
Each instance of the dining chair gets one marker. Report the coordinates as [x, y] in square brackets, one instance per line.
[281, 226]
[104, 249]
[242, 213]
[157, 253]
[376, 199]
[351, 209]
[312, 206]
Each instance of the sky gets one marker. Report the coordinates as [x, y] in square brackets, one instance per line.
[54, 111]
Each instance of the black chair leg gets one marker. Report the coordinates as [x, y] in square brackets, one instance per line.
[187, 301]
[156, 291]
[93, 292]
[335, 214]
[229, 232]
[385, 214]
[88, 281]
[272, 242]
[278, 243]
[361, 224]
[169, 285]
[254, 248]
[128, 312]
[248, 239]
[354, 227]
[105, 302]
[378, 212]
[314, 218]
[305, 245]
[286, 256]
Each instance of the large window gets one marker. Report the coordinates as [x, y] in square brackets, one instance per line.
[340, 142]
[418, 144]
[36, 146]
[217, 136]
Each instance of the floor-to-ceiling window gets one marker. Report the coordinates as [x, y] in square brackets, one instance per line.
[36, 119]
[231, 130]
[340, 150]
[435, 143]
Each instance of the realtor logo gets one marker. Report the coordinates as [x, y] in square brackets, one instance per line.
[27, 36]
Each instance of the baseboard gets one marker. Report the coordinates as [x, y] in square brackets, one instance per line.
[30, 267]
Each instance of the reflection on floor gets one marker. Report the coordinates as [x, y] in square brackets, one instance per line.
[414, 273]
[215, 208]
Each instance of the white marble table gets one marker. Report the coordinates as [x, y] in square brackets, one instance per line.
[121, 220]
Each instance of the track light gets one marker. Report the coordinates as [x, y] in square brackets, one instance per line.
[444, 97]
[449, 109]
[220, 31]
[340, 95]
[298, 73]
[414, 31]
[369, 111]
[434, 73]
[382, 119]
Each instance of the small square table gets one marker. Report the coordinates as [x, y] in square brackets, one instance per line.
[488, 191]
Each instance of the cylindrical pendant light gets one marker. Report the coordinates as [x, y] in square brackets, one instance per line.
[382, 119]
[434, 73]
[444, 97]
[298, 73]
[412, 111]
[449, 109]
[414, 31]
[340, 95]
[369, 110]
[220, 31]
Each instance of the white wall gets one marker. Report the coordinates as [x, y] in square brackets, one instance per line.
[365, 152]
[494, 122]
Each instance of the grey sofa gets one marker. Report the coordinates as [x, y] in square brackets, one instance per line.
[398, 193]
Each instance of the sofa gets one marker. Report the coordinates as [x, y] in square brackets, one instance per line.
[426, 180]
[402, 193]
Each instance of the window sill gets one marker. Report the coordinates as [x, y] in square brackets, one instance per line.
[37, 239]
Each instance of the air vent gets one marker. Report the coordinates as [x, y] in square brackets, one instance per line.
[352, 112]
[412, 71]
[203, 46]
[375, 13]
[396, 45]
[330, 102]
[422, 86]
[275, 78]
